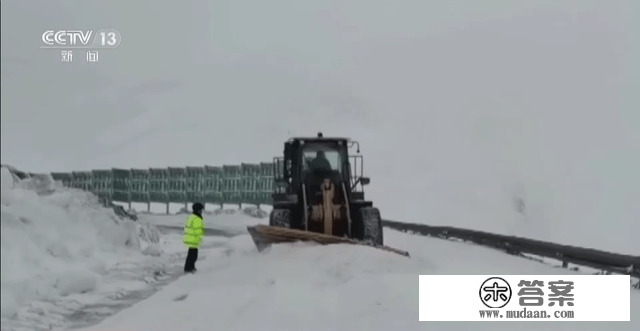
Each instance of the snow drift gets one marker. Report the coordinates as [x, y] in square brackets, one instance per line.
[57, 241]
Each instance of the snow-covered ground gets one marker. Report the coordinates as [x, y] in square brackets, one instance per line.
[339, 287]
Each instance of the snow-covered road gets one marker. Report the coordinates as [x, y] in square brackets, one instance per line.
[339, 287]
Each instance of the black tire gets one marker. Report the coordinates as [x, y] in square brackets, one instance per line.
[280, 218]
[371, 225]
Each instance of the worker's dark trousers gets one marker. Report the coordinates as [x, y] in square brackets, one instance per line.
[192, 257]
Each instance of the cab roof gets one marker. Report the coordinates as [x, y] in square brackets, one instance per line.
[320, 138]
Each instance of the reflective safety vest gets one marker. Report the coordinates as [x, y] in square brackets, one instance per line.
[193, 231]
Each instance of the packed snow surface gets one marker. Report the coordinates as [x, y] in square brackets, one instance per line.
[336, 287]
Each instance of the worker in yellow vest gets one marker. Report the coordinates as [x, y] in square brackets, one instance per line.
[193, 233]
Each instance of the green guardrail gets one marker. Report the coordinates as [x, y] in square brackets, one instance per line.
[228, 184]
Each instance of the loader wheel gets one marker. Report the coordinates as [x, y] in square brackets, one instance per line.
[280, 218]
[371, 225]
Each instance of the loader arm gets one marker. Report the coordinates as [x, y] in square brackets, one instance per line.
[346, 204]
[306, 207]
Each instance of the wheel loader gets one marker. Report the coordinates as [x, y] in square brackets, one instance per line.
[318, 196]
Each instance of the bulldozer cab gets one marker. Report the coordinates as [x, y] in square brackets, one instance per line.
[323, 159]
[320, 157]
[316, 189]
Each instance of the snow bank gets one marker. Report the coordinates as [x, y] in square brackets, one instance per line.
[57, 241]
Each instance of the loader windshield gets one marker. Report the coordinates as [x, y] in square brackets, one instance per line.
[321, 157]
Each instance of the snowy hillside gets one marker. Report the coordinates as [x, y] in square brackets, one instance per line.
[463, 110]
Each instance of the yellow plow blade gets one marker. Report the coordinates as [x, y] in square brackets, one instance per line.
[264, 236]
